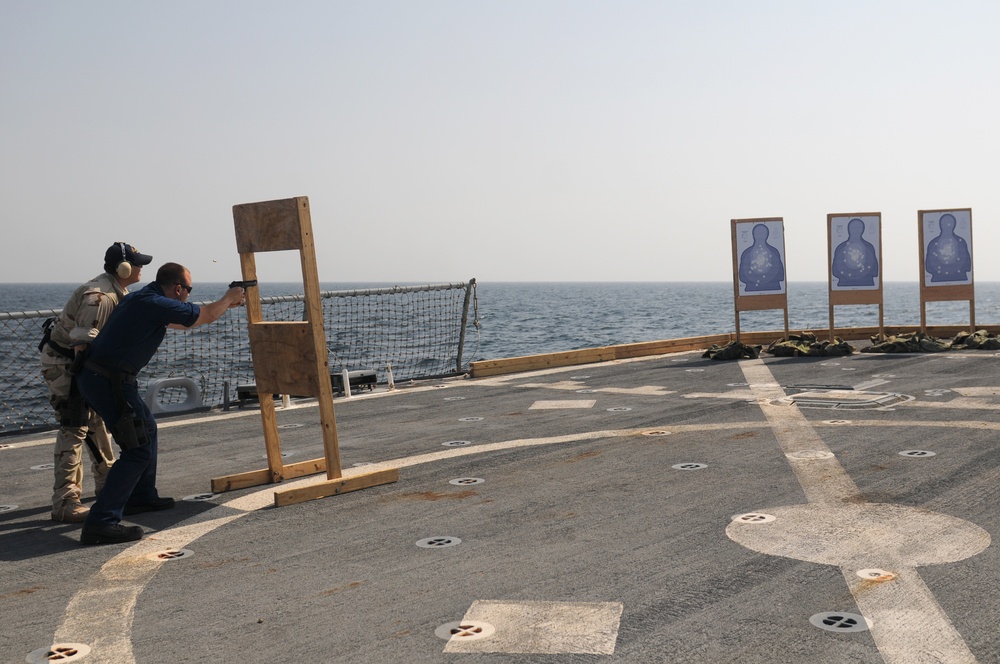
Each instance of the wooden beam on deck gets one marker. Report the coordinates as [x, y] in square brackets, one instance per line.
[335, 487]
[259, 477]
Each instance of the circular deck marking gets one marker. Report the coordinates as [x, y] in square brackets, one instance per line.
[579, 377]
[834, 534]
[810, 455]
[463, 481]
[585, 391]
[754, 518]
[848, 368]
[737, 384]
[876, 574]
[7, 508]
[290, 426]
[918, 454]
[44, 466]
[470, 419]
[170, 554]
[467, 630]
[456, 443]
[694, 370]
[689, 466]
[679, 359]
[837, 621]
[199, 497]
[438, 542]
[619, 409]
[656, 432]
[454, 398]
[59, 652]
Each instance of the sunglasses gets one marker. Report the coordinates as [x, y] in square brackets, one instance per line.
[186, 287]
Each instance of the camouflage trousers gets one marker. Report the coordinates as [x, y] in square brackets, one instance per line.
[71, 440]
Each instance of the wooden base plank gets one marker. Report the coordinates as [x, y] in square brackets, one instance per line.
[259, 477]
[335, 487]
[511, 365]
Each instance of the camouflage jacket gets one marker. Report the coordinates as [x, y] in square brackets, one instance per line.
[87, 310]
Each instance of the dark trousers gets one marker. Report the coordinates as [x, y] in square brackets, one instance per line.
[132, 478]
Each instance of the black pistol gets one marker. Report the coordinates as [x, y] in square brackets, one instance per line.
[243, 284]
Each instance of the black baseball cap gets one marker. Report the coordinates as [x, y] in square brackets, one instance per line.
[120, 252]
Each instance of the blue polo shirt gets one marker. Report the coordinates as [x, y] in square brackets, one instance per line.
[137, 326]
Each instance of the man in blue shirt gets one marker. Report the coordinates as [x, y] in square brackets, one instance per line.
[127, 343]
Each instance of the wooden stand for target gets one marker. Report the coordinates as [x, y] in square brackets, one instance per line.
[845, 297]
[290, 357]
[948, 293]
[760, 302]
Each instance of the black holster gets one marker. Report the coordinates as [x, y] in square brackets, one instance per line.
[130, 430]
[79, 359]
[74, 411]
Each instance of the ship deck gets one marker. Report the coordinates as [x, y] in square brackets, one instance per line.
[658, 509]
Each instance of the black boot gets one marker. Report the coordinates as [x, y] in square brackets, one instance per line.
[105, 534]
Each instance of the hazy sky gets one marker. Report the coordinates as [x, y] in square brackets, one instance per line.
[505, 140]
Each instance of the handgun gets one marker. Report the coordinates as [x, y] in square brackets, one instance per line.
[243, 284]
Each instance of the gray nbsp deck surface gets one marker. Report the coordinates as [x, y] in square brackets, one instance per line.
[607, 526]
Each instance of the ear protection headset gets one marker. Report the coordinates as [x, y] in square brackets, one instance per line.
[124, 269]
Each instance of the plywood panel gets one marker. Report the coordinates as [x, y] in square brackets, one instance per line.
[284, 359]
[270, 225]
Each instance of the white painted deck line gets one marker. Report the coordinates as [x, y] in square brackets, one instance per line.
[907, 623]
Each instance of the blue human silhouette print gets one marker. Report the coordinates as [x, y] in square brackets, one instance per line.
[761, 265]
[855, 260]
[948, 258]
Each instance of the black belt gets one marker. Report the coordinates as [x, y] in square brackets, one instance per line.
[65, 352]
[112, 374]
[116, 377]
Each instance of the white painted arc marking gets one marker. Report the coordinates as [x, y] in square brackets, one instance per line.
[908, 624]
[100, 613]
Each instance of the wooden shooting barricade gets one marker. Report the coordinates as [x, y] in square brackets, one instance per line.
[959, 289]
[290, 357]
[867, 295]
[757, 301]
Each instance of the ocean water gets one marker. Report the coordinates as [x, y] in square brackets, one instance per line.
[517, 319]
[528, 318]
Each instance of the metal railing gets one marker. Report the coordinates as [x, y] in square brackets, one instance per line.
[417, 330]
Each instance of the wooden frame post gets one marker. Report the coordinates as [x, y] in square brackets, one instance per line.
[290, 357]
[952, 278]
[768, 291]
[847, 251]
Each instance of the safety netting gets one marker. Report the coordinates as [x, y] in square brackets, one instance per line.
[414, 332]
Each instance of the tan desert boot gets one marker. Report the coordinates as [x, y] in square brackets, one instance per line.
[69, 511]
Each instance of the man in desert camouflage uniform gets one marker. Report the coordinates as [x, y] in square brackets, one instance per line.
[69, 334]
